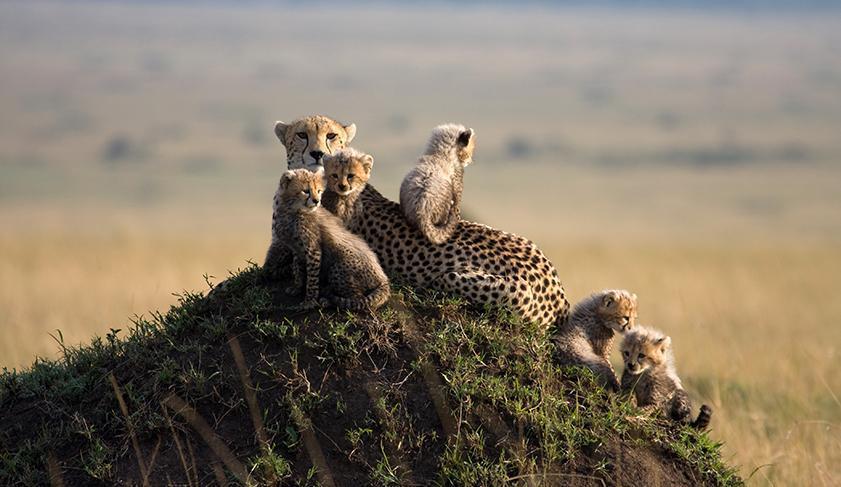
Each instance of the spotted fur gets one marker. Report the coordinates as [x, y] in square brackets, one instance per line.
[651, 377]
[307, 140]
[479, 263]
[324, 250]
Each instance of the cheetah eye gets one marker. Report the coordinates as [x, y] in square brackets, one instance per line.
[350, 176]
[306, 191]
[335, 176]
[625, 353]
[302, 135]
[331, 136]
[640, 356]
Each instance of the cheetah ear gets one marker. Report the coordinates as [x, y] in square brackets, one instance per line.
[287, 177]
[350, 130]
[464, 137]
[280, 129]
[607, 301]
[367, 163]
[663, 343]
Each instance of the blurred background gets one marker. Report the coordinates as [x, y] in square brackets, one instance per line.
[688, 151]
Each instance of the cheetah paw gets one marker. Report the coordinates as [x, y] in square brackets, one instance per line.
[292, 290]
[305, 305]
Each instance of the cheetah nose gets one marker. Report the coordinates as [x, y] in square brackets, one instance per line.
[343, 187]
[317, 155]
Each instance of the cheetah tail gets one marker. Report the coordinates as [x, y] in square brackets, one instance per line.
[438, 234]
[703, 419]
[373, 300]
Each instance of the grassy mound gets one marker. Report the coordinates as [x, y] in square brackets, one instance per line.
[231, 388]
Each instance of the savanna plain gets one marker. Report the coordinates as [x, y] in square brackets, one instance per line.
[690, 156]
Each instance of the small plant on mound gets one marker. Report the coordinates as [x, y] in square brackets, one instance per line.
[428, 390]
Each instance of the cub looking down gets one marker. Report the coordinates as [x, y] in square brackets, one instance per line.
[587, 337]
[651, 377]
[323, 249]
[431, 192]
[479, 263]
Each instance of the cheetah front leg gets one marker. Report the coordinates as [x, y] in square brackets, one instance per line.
[680, 408]
[277, 259]
[312, 270]
[598, 365]
[297, 277]
[603, 372]
[628, 384]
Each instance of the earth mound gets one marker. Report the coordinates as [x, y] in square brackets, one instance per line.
[234, 388]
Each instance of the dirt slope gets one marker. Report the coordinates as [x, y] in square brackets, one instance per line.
[427, 392]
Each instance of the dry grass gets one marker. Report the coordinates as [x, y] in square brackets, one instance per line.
[90, 283]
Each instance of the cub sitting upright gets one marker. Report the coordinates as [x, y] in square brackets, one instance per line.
[651, 377]
[587, 337]
[323, 249]
[431, 192]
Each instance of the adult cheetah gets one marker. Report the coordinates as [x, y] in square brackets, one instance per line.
[308, 139]
[477, 262]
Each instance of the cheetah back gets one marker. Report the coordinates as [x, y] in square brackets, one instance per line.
[480, 263]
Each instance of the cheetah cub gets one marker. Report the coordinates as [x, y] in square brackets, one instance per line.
[347, 172]
[323, 249]
[431, 193]
[587, 337]
[651, 377]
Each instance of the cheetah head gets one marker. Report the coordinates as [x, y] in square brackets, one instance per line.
[644, 348]
[617, 309]
[453, 140]
[300, 189]
[307, 140]
[347, 170]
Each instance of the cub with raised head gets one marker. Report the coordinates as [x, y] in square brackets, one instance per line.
[651, 377]
[482, 264]
[587, 337]
[431, 192]
[346, 173]
[323, 249]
